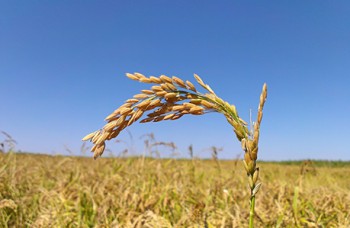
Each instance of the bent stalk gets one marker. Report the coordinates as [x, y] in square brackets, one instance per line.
[172, 98]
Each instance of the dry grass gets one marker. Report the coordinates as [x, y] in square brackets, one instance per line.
[8, 143]
[56, 191]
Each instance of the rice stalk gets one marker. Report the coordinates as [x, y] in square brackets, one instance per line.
[170, 98]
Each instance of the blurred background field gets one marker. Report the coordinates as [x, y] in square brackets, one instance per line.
[63, 191]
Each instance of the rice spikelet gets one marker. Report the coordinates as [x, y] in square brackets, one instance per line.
[170, 99]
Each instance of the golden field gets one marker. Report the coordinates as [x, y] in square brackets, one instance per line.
[59, 191]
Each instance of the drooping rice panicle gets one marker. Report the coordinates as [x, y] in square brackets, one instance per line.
[170, 98]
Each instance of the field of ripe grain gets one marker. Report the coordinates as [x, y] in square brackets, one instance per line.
[57, 191]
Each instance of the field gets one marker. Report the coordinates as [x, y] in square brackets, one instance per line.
[58, 191]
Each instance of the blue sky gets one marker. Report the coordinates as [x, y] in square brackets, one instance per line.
[63, 65]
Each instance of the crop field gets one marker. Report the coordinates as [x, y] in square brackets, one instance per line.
[62, 191]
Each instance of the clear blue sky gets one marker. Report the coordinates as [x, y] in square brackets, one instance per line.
[63, 65]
